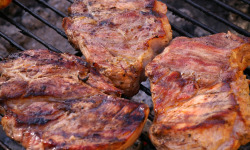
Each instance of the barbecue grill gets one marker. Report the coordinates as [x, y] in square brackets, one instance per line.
[191, 18]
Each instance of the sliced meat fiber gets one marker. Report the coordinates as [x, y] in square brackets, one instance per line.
[58, 101]
[120, 36]
[200, 94]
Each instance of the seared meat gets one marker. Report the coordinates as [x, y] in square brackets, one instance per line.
[58, 101]
[200, 94]
[42, 72]
[121, 36]
[4, 3]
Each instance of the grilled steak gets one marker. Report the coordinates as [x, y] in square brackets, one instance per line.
[58, 101]
[200, 94]
[121, 36]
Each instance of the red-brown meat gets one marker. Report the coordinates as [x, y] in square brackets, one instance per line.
[121, 36]
[200, 94]
[58, 101]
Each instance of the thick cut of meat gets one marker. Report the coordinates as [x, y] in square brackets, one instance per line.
[121, 36]
[200, 94]
[95, 122]
[58, 101]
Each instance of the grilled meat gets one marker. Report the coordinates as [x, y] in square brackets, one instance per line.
[200, 94]
[120, 36]
[42, 72]
[4, 3]
[58, 101]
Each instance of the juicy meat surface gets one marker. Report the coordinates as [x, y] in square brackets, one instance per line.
[121, 36]
[41, 72]
[200, 94]
[58, 101]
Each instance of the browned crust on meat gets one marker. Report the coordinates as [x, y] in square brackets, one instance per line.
[99, 122]
[29, 74]
[58, 101]
[200, 94]
[120, 36]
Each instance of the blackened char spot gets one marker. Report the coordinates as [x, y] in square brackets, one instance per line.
[33, 121]
[79, 135]
[64, 107]
[71, 101]
[113, 139]
[36, 91]
[41, 112]
[137, 118]
[89, 16]
[106, 22]
[95, 71]
[90, 3]
[145, 13]
[50, 143]
[247, 72]
[155, 13]
[96, 135]
[92, 32]
[181, 82]
[15, 55]
[85, 79]
[82, 62]
[150, 4]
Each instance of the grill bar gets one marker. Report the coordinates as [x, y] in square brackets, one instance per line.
[3, 146]
[227, 7]
[28, 33]
[59, 31]
[182, 32]
[179, 13]
[145, 89]
[12, 42]
[71, 1]
[236, 28]
[52, 8]
[145, 138]
[151, 117]
[246, 1]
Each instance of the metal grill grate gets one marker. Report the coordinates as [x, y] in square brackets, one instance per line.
[200, 8]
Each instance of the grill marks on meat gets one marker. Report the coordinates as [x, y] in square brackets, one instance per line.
[41, 72]
[58, 101]
[97, 122]
[200, 94]
[120, 36]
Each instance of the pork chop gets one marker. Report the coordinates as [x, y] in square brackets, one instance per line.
[58, 101]
[200, 94]
[120, 36]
